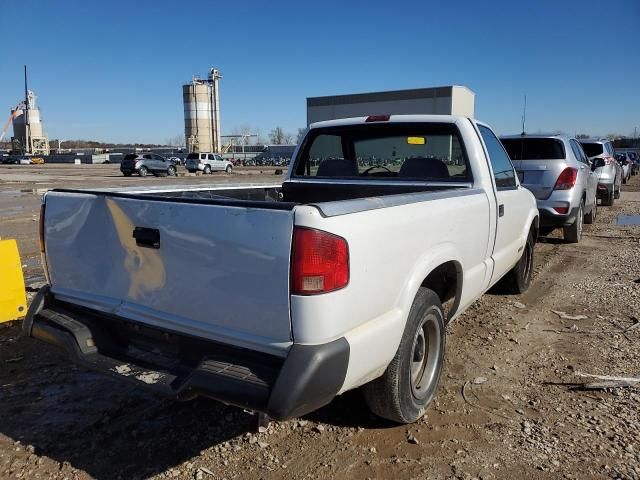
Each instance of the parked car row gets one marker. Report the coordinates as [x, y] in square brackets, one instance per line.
[568, 176]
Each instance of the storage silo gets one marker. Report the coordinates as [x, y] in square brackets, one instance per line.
[27, 127]
[202, 113]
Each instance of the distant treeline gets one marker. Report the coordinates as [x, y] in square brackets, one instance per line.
[65, 144]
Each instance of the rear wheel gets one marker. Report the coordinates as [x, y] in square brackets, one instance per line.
[142, 171]
[617, 195]
[206, 170]
[519, 277]
[407, 387]
[573, 233]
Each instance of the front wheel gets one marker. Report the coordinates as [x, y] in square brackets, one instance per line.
[171, 171]
[407, 387]
[142, 171]
[590, 217]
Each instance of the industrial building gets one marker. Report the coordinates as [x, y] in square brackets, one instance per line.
[28, 134]
[451, 100]
[202, 113]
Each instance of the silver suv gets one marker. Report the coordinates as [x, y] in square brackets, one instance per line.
[147, 163]
[207, 163]
[556, 170]
[608, 171]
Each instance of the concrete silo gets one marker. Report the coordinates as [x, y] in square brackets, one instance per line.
[202, 113]
[28, 135]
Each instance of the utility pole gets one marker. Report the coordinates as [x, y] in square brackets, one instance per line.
[27, 128]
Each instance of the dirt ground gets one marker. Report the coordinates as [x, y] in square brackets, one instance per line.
[506, 408]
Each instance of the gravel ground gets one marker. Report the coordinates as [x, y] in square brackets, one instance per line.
[507, 407]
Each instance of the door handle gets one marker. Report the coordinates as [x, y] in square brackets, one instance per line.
[501, 210]
[147, 237]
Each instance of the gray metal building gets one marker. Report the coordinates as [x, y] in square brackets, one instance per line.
[450, 100]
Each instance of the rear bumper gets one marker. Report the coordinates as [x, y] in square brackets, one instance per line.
[604, 190]
[549, 218]
[184, 367]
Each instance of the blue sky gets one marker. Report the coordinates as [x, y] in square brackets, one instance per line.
[113, 70]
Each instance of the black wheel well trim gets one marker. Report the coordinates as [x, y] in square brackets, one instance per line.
[446, 281]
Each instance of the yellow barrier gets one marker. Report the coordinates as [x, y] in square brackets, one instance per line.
[13, 300]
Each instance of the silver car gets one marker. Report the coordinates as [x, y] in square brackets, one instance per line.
[207, 163]
[609, 173]
[556, 170]
[147, 163]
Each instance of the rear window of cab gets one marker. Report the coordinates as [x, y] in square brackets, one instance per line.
[419, 152]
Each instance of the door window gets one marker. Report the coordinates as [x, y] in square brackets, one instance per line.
[503, 172]
[211, 157]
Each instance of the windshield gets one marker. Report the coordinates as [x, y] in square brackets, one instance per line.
[386, 152]
[534, 148]
[130, 156]
[592, 149]
[193, 156]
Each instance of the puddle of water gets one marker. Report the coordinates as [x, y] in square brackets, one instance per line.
[628, 220]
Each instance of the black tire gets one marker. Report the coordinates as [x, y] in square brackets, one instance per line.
[142, 171]
[229, 169]
[573, 233]
[617, 195]
[171, 171]
[405, 390]
[608, 200]
[206, 170]
[590, 217]
[518, 279]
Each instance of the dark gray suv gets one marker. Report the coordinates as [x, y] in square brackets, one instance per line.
[147, 163]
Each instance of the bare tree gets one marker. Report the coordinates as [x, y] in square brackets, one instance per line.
[175, 141]
[583, 135]
[301, 133]
[277, 136]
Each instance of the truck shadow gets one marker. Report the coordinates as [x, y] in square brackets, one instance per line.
[106, 428]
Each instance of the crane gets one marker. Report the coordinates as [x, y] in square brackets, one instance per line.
[14, 112]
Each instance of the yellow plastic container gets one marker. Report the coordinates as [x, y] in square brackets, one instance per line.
[13, 300]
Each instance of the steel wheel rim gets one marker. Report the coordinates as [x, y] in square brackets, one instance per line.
[424, 356]
[580, 219]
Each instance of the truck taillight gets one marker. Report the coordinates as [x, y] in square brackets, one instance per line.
[567, 179]
[41, 228]
[319, 262]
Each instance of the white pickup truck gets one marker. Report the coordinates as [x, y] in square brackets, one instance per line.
[279, 298]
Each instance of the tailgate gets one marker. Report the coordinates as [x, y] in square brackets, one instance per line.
[217, 271]
[539, 176]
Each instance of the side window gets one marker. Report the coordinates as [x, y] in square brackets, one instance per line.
[577, 151]
[503, 172]
[218, 158]
[211, 157]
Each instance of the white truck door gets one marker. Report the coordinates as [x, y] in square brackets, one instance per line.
[512, 209]
[219, 162]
